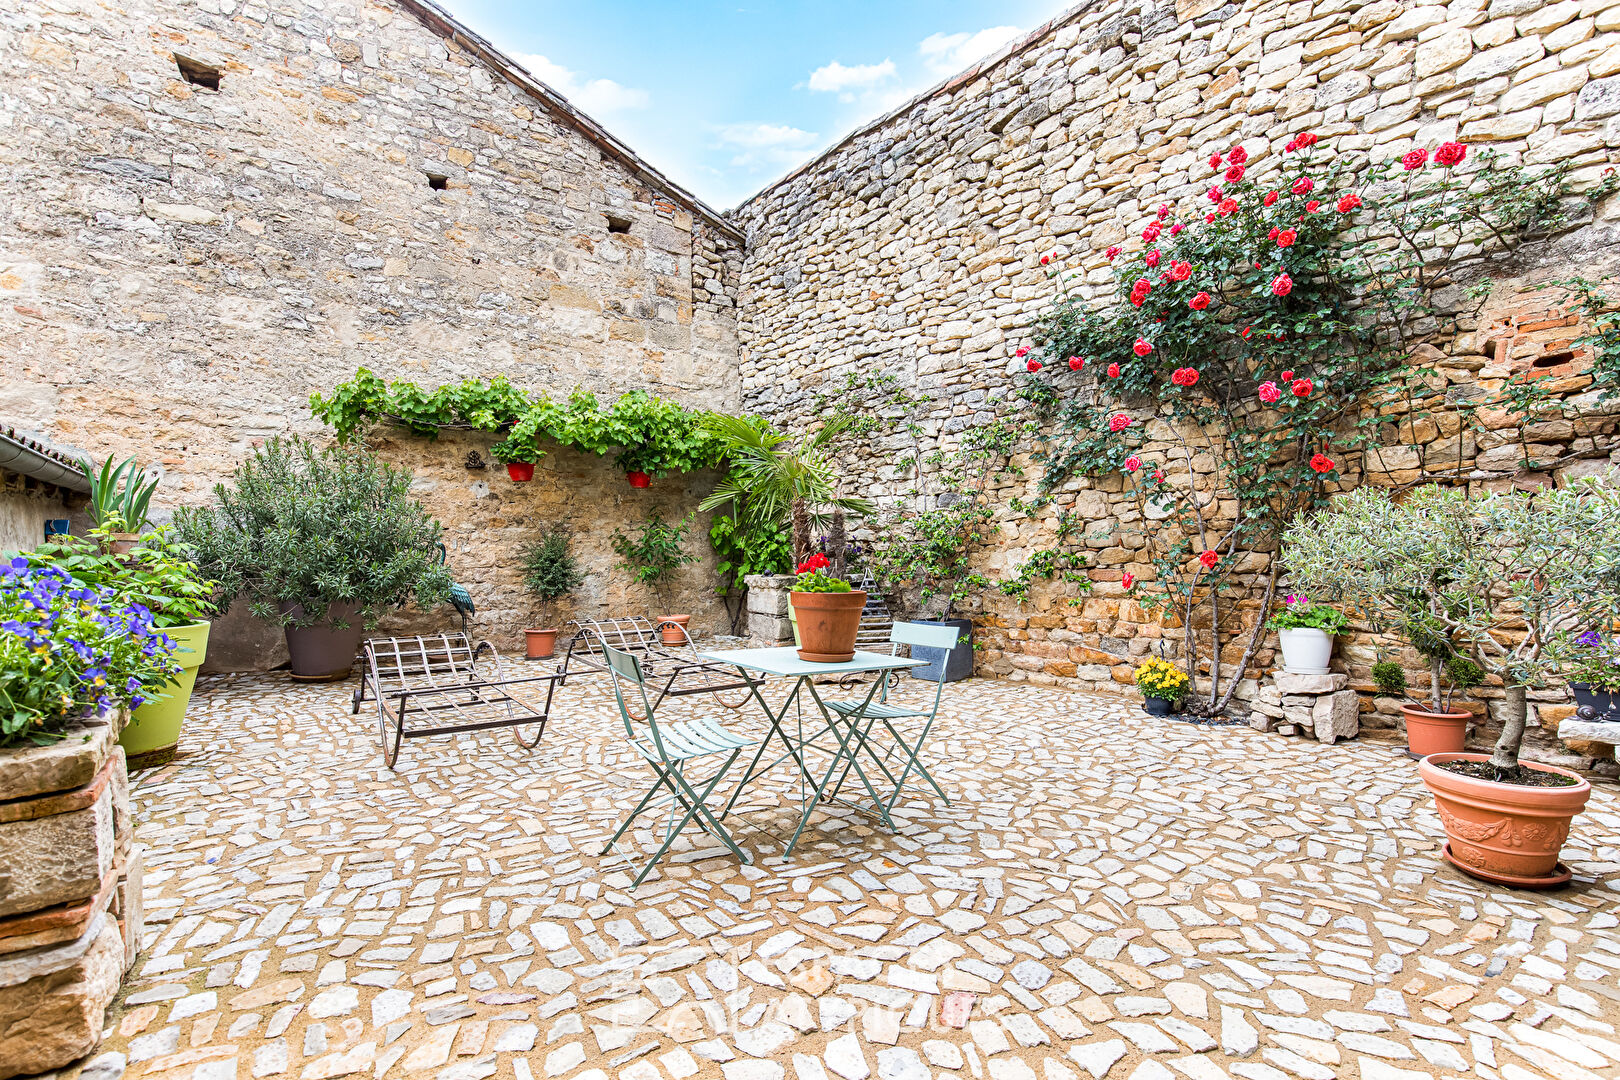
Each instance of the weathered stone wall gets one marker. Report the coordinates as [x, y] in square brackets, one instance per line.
[181, 266]
[911, 249]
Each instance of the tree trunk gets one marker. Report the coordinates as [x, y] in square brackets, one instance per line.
[1505, 755]
[837, 545]
[1436, 668]
[801, 532]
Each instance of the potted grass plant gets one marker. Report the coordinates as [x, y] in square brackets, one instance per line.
[550, 571]
[1506, 576]
[320, 541]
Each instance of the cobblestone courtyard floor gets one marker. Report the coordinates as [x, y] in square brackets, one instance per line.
[1107, 895]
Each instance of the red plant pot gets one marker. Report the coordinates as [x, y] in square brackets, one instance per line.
[638, 479]
[520, 472]
[1435, 732]
[1504, 833]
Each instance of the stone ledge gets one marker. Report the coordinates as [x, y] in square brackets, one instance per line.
[62, 766]
[1290, 683]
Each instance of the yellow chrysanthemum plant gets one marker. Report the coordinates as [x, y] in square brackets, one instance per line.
[1159, 678]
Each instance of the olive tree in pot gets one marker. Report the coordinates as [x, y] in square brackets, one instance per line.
[1507, 576]
[551, 571]
[320, 541]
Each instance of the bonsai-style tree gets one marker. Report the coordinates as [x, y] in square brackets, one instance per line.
[300, 530]
[550, 568]
[1501, 577]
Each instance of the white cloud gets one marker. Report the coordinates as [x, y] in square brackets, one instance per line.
[946, 54]
[765, 144]
[591, 95]
[836, 78]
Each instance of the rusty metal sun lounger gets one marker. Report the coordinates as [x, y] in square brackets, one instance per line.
[669, 669]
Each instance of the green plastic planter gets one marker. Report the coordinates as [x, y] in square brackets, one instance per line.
[153, 733]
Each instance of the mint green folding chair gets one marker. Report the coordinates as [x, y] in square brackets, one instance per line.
[881, 711]
[669, 749]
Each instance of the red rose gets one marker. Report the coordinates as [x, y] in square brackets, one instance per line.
[1180, 270]
[1413, 160]
[1164, 211]
[1271, 197]
[1185, 376]
[1288, 376]
[1214, 161]
[1139, 291]
[1313, 206]
[1158, 476]
[1286, 237]
[1199, 302]
[1209, 218]
[1321, 463]
[1282, 284]
[1245, 332]
[1176, 228]
[1303, 186]
[1237, 155]
[1272, 235]
[1075, 363]
[1234, 174]
[1293, 144]
[1113, 371]
[1348, 203]
[1449, 154]
[1227, 206]
[1151, 233]
[1119, 422]
[1033, 365]
[1133, 463]
[1142, 347]
[1269, 392]
[1023, 351]
[1305, 140]
[1112, 252]
[1046, 258]
[1127, 580]
[1209, 559]
[1152, 257]
[1301, 388]
[1216, 194]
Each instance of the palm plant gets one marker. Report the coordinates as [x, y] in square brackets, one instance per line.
[775, 476]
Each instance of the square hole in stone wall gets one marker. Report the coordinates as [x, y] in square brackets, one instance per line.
[438, 182]
[198, 73]
[617, 224]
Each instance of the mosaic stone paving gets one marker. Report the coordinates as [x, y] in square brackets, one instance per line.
[1108, 895]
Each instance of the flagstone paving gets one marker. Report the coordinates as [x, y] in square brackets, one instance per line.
[1106, 895]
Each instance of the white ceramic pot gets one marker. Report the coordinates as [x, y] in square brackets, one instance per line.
[1306, 652]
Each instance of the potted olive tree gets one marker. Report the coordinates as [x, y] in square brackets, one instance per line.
[550, 571]
[1505, 576]
[320, 541]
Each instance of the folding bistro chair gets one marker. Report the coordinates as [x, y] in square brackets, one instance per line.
[668, 748]
[916, 635]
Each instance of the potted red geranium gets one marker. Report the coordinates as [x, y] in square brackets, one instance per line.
[827, 612]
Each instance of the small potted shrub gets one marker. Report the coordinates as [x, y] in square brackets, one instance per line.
[1164, 686]
[652, 555]
[518, 453]
[1506, 576]
[320, 541]
[1590, 663]
[551, 572]
[828, 613]
[1435, 726]
[1306, 632]
[156, 572]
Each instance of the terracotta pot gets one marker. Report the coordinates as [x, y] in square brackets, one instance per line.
[122, 543]
[638, 479]
[828, 623]
[539, 644]
[520, 472]
[673, 628]
[1504, 833]
[1434, 732]
[322, 653]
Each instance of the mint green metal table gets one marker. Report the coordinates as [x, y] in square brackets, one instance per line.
[845, 727]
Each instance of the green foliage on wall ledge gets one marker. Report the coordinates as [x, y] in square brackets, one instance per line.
[650, 434]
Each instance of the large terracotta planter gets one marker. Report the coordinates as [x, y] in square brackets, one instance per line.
[1434, 732]
[323, 653]
[1504, 833]
[673, 629]
[153, 733]
[827, 624]
[539, 644]
[1306, 651]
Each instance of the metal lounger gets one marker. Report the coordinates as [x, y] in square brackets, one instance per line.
[669, 670]
[417, 679]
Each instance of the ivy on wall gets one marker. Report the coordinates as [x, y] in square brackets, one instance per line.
[650, 434]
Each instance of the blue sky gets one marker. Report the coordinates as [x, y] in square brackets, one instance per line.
[724, 97]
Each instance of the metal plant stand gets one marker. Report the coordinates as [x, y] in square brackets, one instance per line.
[421, 682]
[667, 670]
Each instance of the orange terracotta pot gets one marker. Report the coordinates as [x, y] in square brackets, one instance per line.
[1504, 833]
[673, 628]
[539, 644]
[828, 623]
[1435, 732]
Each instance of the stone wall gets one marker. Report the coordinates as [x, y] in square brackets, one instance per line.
[911, 248]
[182, 266]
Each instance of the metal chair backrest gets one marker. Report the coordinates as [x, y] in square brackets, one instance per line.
[623, 665]
[928, 637]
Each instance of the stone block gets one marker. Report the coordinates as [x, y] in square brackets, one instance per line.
[1289, 683]
[58, 859]
[1262, 721]
[54, 1018]
[62, 766]
[1298, 714]
[127, 905]
[1337, 716]
[768, 602]
[769, 627]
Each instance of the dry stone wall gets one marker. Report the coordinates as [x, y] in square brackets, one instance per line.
[181, 266]
[911, 249]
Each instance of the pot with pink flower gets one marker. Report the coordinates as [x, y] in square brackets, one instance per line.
[1306, 631]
